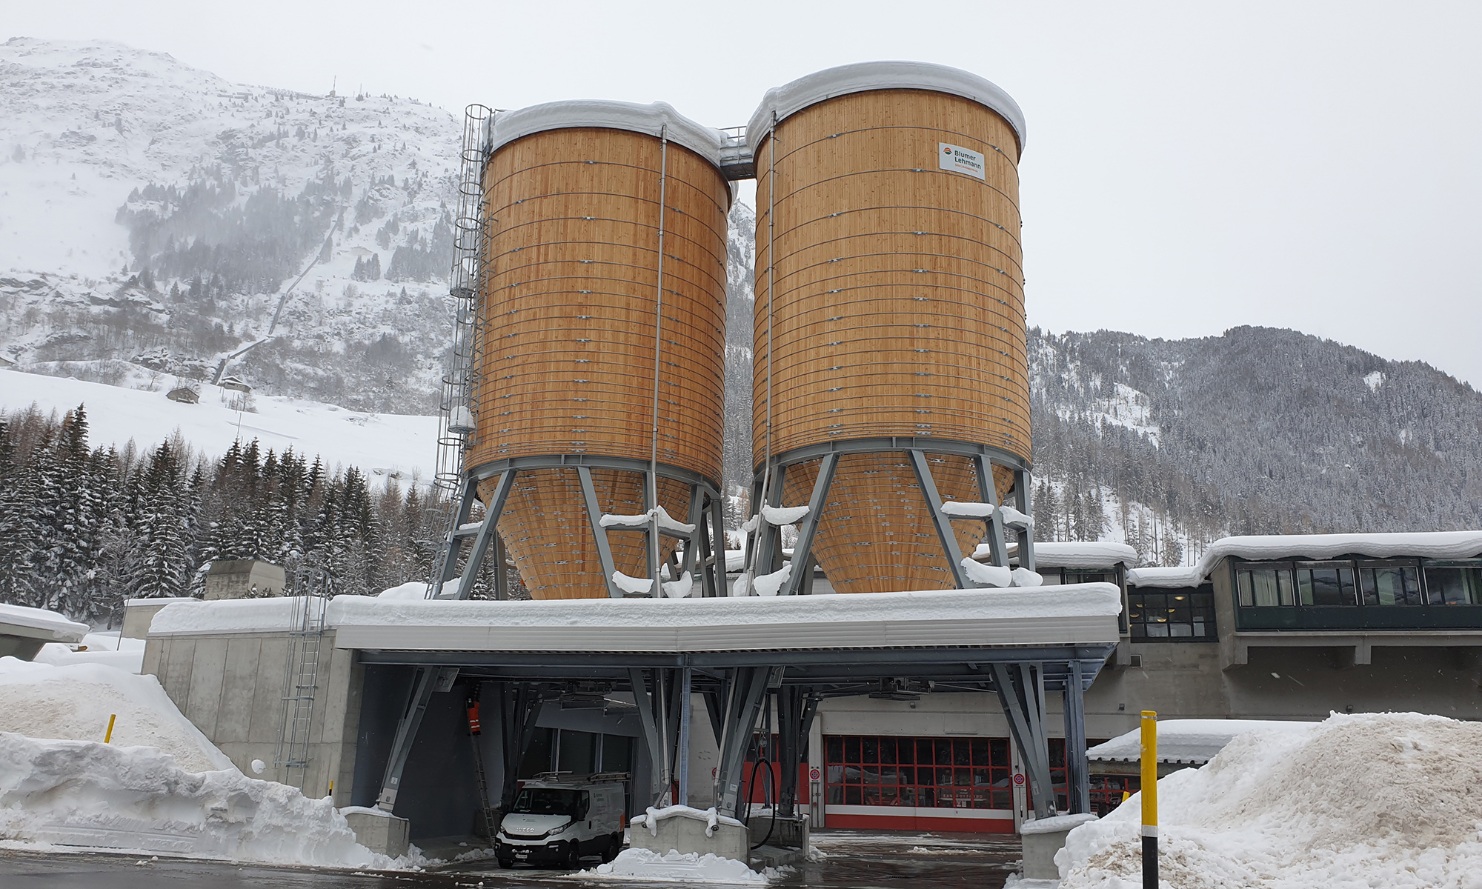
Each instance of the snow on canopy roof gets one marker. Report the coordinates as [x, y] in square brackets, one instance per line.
[507, 126]
[1187, 741]
[51, 626]
[1074, 614]
[1084, 554]
[861, 77]
[1165, 578]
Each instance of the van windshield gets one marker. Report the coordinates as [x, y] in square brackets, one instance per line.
[547, 801]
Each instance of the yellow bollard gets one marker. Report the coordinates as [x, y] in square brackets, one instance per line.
[1149, 799]
[108, 735]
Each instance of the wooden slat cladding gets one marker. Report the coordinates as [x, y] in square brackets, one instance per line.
[566, 323]
[898, 311]
[565, 332]
[549, 538]
[899, 304]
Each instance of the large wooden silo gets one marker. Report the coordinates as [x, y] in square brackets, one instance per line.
[605, 229]
[889, 312]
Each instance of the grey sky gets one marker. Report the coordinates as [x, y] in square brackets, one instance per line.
[1189, 167]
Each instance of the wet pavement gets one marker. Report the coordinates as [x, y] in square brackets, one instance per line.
[848, 860]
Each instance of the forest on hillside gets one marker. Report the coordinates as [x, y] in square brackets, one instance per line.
[87, 529]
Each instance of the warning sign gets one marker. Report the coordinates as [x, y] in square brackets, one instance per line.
[1018, 780]
[814, 774]
[961, 160]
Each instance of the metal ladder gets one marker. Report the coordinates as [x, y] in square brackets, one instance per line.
[301, 677]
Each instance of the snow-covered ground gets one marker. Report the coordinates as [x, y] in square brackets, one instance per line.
[1366, 800]
[381, 445]
[1388, 800]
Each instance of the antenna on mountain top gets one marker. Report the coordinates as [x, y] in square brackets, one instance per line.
[332, 84]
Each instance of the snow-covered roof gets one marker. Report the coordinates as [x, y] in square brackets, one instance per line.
[38, 623]
[1083, 554]
[1054, 615]
[1405, 544]
[863, 77]
[1186, 741]
[507, 126]
[1167, 578]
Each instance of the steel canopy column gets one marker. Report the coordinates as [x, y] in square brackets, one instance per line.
[1077, 779]
[519, 706]
[424, 681]
[998, 550]
[1023, 500]
[796, 708]
[594, 518]
[748, 691]
[1021, 690]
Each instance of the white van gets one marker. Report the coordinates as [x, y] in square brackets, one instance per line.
[560, 818]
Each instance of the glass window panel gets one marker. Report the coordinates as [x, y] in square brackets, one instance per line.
[869, 750]
[833, 747]
[1245, 584]
[1453, 585]
[923, 751]
[944, 752]
[1285, 594]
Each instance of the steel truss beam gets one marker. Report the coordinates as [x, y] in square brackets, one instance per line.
[764, 542]
[1021, 690]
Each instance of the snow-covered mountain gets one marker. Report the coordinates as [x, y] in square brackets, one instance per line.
[155, 216]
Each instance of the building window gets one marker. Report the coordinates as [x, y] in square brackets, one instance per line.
[1264, 584]
[951, 773]
[1390, 583]
[1326, 583]
[1454, 583]
[1173, 614]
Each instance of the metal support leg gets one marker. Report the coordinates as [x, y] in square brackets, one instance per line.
[487, 532]
[1077, 779]
[749, 690]
[1023, 501]
[988, 491]
[686, 689]
[768, 554]
[424, 681]
[1021, 691]
[594, 518]
[654, 719]
[718, 565]
[802, 551]
[519, 707]
[452, 547]
[938, 518]
[795, 711]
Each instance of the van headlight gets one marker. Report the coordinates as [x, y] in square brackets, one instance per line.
[555, 830]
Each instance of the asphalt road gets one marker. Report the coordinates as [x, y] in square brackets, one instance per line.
[850, 861]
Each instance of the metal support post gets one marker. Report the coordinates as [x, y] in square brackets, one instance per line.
[938, 518]
[1077, 779]
[1021, 691]
[519, 708]
[997, 548]
[686, 689]
[424, 681]
[802, 551]
[1023, 500]
[594, 518]
[749, 690]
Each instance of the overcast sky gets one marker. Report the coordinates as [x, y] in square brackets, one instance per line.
[1312, 165]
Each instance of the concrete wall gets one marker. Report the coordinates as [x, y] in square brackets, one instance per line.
[231, 687]
[243, 579]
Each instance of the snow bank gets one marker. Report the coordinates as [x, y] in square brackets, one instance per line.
[74, 703]
[96, 648]
[674, 867]
[710, 816]
[1356, 801]
[85, 793]
[159, 787]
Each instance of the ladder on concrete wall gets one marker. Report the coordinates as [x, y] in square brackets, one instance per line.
[301, 675]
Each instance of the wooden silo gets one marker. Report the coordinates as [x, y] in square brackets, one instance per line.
[605, 230]
[890, 313]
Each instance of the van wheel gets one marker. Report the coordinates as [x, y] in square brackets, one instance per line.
[506, 863]
[572, 858]
[610, 849]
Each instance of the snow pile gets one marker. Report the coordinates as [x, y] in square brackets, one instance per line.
[1387, 800]
[96, 648]
[55, 625]
[75, 702]
[159, 787]
[675, 867]
[85, 793]
[653, 816]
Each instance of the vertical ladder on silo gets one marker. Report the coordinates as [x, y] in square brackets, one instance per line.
[301, 679]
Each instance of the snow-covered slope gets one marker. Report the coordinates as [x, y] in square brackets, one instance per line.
[96, 265]
[380, 445]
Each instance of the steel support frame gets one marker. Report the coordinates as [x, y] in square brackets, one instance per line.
[1078, 778]
[425, 680]
[744, 691]
[705, 514]
[796, 708]
[764, 542]
[519, 708]
[1021, 691]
